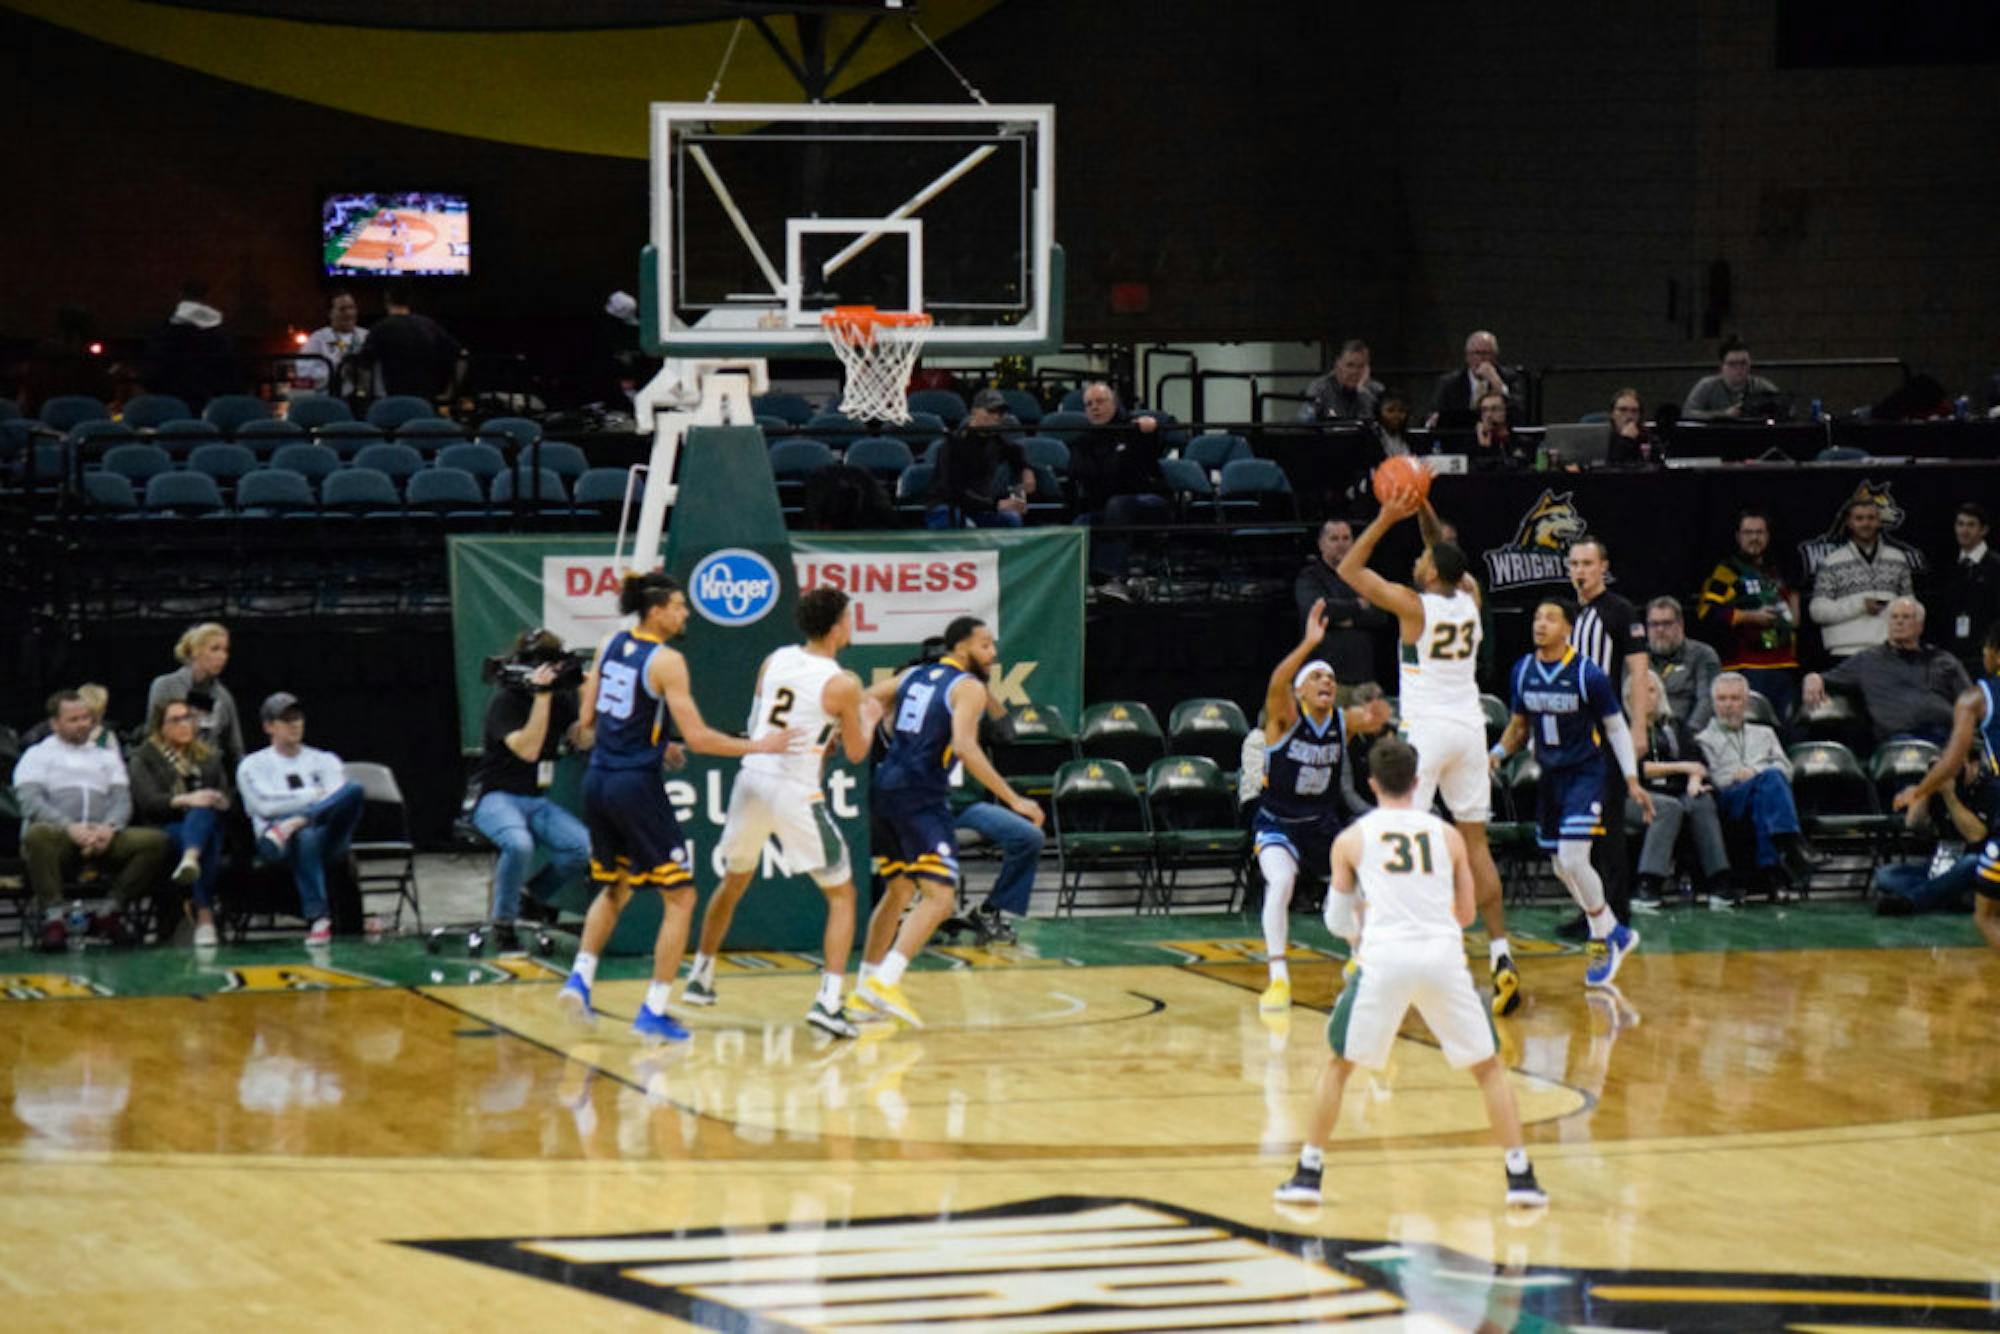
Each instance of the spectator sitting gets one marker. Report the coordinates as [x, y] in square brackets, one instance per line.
[1969, 601]
[1392, 420]
[1753, 778]
[1354, 628]
[1753, 615]
[1857, 581]
[1675, 774]
[1687, 667]
[845, 499]
[179, 788]
[1953, 874]
[203, 652]
[1020, 842]
[411, 353]
[1493, 443]
[1631, 443]
[341, 337]
[1907, 685]
[97, 699]
[190, 356]
[1114, 467]
[1345, 393]
[967, 489]
[301, 806]
[76, 809]
[1724, 395]
[1456, 401]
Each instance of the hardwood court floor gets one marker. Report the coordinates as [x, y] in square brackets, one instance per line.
[1785, 1139]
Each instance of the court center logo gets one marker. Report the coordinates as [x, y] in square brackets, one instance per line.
[1882, 495]
[1539, 550]
[734, 587]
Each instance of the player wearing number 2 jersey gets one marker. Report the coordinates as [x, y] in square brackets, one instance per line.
[634, 686]
[1307, 789]
[802, 687]
[933, 720]
[1442, 717]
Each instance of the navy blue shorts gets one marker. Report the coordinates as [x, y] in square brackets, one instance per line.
[1308, 839]
[633, 832]
[913, 838]
[1569, 804]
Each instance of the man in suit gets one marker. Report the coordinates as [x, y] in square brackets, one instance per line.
[1968, 596]
[1458, 392]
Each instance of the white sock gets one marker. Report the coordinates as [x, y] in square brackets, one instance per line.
[829, 990]
[1280, 873]
[1602, 922]
[891, 972]
[1280, 971]
[868, 970]
[585, 967]
[702, 970]
[1311, 1157]
[1496, 950]
[1517, 1161]
[656, 996]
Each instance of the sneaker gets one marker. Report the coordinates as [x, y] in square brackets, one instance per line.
[574, 1001]
[321, 933]
[831, 1022]
[653, 1029]
[55, 936]
[991, 926]
[698, 992]
[1277, 996]
[889, 1000]
[1506, 987]
[506, 940]
[189, 870]
[861, 1010]
[1303, 1188]
[1649, 904]
[1608, 954]
[1523, 1191]
[205, 936]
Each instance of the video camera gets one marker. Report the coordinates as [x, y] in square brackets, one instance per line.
[532, 651]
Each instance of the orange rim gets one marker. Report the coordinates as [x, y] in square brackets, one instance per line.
[867, 317]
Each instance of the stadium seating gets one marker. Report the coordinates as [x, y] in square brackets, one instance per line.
[184, 434]
[313, 411]
[1065, 426]
[65, 411]
[109, 495]
[1836, 800]
[794, 409]
[362, 491]
[229, 411]
[512, 433]
[224, 462]
[422, 432]
[886, 458]
[137, 463]
[913, 489]
[1212, 453]
[1256, 489]
[603, 491]
[1072, 400]
[1193, 496]
[1893, 767]
[795, 460]
[390, 413]
[1100, 827]
[1124, 730]
[540, 489]
[269, 492]
[565, 459]
[1027, 409]
[269, 433]
[312, 462]
[1192, 809]
[143, 412]
[449, 492]
[92, 438]
[1045, 451]
[1213, 728]
[347, 437]
[399, 462]
[1498, 714]
[1028, 746]
[944, 404]
[837, 425]
[182, 495]
[482, 460]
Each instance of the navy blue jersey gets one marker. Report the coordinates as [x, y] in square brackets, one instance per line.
[919, 758]
[1302, 768]
[1564, 701]
[1986, 745]
[631, 719]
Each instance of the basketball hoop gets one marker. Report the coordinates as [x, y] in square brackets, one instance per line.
[878, 348]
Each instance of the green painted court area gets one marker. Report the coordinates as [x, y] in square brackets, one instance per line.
[1070, 942]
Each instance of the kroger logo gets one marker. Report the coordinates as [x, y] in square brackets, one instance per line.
[734, 586]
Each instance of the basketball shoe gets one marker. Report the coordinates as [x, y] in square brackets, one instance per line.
[1303, 1188]
[1523, 1191]
[1506, 987]
[574, 1001]
[653, 1029]
[877, 995]
[1277, 996]
[698, 992]
[831, 1022]
[1607, 954]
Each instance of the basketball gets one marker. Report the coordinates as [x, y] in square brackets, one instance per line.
[1401, 473]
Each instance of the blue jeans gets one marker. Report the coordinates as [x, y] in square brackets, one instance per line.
[321, 844]
[944, 516]
[1020, 845]
[1766, 802]
[516, 825]
[201, 830]
[1780, 685]
[1949, 892]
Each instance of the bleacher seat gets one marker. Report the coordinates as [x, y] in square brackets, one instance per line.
[1259, 487]
[1072, 401]
[1498, 714]
[184, 434]
[1124, 730]
[542, 488]
[399, 462]
[345, 438]
[269, 492]
[513, 433]
[602, 490]
[886, 458]
[1065, 426]
[944, 404]
[1027, 409]
[448, 491]
[1045, 451]
[361, 491]
[913, 488]
[1193, 496]
[422, 431]
[483, 461]
[795, 409]
[1211, 727]
[142, 412]
[1212, 453]
[313, 411]
[566, 459]
[795, 460]
[66, 410]
[227, 412]
[921, 426]
[182, 494]
[226, 463]
[1192, 808]
[93, 438]
[390, 413]
[1028, 746]
[313, 462]
[1100, 827]
[109, 495]
[269, 433]
[137, 463]
[835, 424]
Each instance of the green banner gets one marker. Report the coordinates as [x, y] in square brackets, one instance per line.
[905, 586]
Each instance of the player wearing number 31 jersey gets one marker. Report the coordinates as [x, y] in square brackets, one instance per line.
[1442, 717]
[801, 687]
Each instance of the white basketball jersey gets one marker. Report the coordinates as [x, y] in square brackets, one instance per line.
[1405, 877]
[793, 694]
[1440, 672]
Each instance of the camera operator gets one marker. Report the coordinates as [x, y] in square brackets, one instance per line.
[530, 716]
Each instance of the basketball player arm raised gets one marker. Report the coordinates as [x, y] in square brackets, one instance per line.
[667, 675]
[1281, 708]
[968, 703]
[1966, 714]
[1396, 599]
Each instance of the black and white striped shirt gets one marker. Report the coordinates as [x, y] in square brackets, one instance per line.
[1607, 630]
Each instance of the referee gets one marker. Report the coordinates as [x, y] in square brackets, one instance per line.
[1611, 633]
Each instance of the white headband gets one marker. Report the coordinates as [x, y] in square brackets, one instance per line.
[1316, 665]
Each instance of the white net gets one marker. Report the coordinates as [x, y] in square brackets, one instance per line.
[878, 352]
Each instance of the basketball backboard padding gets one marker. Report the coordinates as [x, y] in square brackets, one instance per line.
[949, 210]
